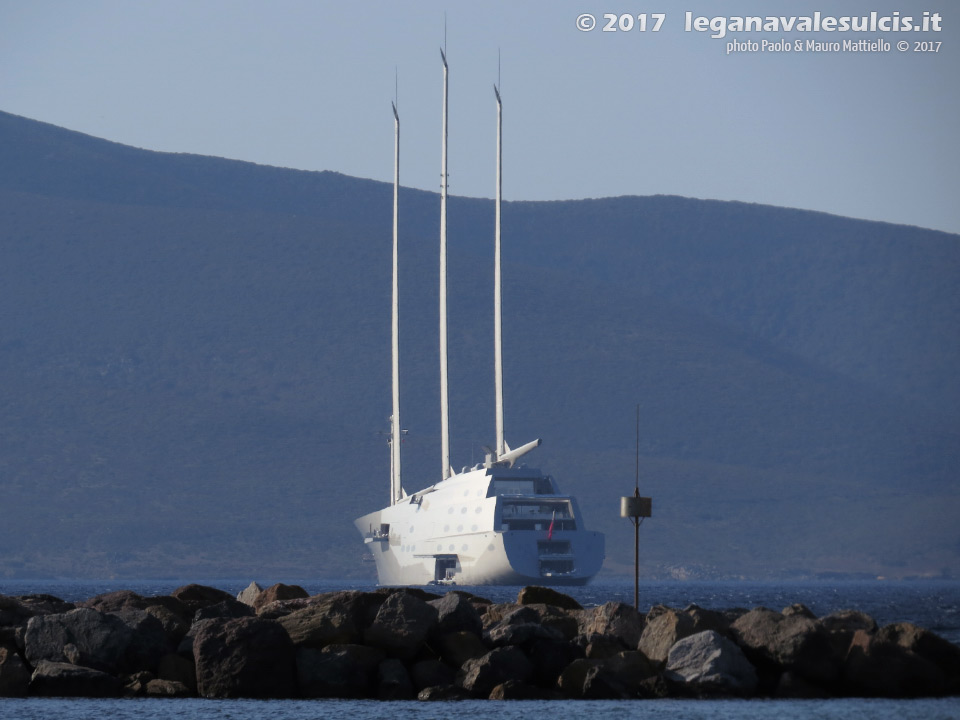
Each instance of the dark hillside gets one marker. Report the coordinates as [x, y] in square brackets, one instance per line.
[194, 368]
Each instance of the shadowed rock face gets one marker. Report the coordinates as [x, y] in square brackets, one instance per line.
[245, 657]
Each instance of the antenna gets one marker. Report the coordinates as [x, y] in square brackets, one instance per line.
[497, 281]
[396, 486]
[444, 396]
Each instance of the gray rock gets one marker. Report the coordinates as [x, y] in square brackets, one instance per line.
[91, 638]
[455, 613]
[341, 671]
[332, 618]
[481, 675]
[710, 662]
[14, 675]
[249, 594]
[57, 679]
[244, 657]
[614, 619]
[402, 625]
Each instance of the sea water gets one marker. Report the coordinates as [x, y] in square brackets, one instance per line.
[932, 604]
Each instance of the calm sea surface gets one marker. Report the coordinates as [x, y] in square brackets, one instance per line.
[934, 605]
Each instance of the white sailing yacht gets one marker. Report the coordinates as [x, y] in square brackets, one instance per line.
[496, 523]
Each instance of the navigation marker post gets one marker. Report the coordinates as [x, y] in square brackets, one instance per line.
[636, 508]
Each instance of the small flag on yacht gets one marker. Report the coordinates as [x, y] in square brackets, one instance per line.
[550, 529]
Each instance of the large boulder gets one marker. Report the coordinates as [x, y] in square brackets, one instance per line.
[402, 625]
[518, 626]
[843, 624]
[614, 619]
[194, 597]
[777, 643]
[536, 595]
[619, 677]
[244, 657]
[902, 660]
[60, 679]
[456, 613]
[664, 627]
[148, 640]
[332, 618]
[14, 675]
[82, 637]
[341, 671]
[44, 604]
[710, 663]
[481, 675]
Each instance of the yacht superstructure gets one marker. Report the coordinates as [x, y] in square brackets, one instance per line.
[495, 523]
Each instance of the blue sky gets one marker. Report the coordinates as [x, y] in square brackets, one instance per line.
[308, 84]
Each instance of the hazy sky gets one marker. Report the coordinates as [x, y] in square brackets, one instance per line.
[308, 83]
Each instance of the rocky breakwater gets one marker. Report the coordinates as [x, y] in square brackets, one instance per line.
[405, 643]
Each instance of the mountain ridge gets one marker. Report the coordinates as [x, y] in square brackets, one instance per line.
[198, 384]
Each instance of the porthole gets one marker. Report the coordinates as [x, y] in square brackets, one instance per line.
[473, 528]
[446, 528]
[477, 511]
[452, 547]
[463, 511]
[459, 528]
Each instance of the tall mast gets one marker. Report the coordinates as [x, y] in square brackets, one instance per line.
[497, 307]
[395, 427]
[444, 408]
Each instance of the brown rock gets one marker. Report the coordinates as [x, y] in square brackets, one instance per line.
[902, 660]
[194, 597]
[614, 619]
[278, 592]
[775, 643]
[664, 628]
